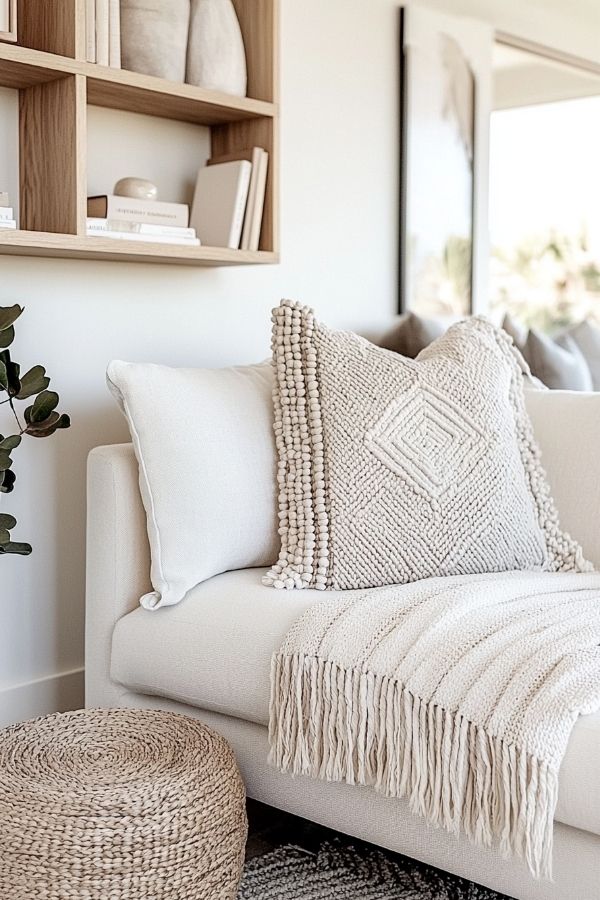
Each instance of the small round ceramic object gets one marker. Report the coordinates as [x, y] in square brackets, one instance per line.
[138, 188]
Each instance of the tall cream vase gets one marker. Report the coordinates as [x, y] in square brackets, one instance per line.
[154, 37]
[216, 55]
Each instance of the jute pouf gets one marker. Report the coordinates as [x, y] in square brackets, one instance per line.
[119, 805]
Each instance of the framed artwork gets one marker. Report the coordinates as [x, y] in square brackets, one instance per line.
[438, 155]
[8, 20]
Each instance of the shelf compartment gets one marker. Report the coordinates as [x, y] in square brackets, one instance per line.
[132, 92]
[21, 67]
[38, 243]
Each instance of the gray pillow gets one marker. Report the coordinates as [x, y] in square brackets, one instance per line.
[559, 363]
[517, 331]
[587, 338]
[412, 334]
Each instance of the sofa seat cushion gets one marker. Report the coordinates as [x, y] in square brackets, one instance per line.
[213, 651]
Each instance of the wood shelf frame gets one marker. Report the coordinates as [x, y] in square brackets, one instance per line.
[56, 84]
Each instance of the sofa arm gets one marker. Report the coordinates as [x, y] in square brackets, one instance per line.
[118, 560]
[567, 428]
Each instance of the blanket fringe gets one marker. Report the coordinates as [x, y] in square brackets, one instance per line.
[360, 728]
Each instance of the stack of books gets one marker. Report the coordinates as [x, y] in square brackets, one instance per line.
[229, 199]
[103, 32]
[7, 219]
[129, 219]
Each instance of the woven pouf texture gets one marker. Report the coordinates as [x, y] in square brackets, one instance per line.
[119, 805]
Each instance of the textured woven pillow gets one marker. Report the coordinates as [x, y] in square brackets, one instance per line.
[391, 470]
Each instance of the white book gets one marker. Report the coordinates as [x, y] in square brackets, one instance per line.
[256, 200]
[4, 15]
[10, 224]
[4, 200]
[102, 31]
[103, 225]
[6, 213]
[114, 34]
[129, 209]
[90, 30]
[220, 203]
[145, 238]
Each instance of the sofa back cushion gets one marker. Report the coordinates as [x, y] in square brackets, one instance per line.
[204, 444]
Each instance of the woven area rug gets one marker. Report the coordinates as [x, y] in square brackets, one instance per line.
[337, 871]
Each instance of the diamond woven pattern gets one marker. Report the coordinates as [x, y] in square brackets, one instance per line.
[392, 470]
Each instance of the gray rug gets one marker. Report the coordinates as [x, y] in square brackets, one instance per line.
[338, 871]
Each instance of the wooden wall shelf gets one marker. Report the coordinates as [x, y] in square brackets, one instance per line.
[55, 83]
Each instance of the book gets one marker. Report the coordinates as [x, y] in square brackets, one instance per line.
[102, 31]
[256, 192]
[6, 213]
[129, 209]
[90, 30]
[145, 238]
[5, 15]
[103, 225]
[4, 200]
[114, 34]
[254, 216]
[9, 224]
[220, 202]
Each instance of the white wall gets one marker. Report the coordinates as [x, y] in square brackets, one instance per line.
[339, 238]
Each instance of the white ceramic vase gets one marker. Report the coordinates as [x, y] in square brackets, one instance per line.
[154, 37]
[216, 55]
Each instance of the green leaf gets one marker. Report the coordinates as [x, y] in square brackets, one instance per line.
[33, 382]
[9, 315]
[5, 460]
[14, 385]
[7, 521]
[7, 481]
[43, 405]
[18, 549]
[48, 426]
[11, 442]
[7, 336]
[3, 376]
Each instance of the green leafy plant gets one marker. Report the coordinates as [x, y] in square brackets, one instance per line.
[40, 418]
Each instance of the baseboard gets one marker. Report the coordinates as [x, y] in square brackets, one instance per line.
[56, 693]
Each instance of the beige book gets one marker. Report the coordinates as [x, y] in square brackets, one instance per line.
[256, 193]
[90, 30]
[102, 32]
[220, 202]
[114, 34]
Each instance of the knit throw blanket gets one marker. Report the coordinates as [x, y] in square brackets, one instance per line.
[459, 694]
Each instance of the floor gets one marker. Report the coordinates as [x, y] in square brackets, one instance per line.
[269, 828]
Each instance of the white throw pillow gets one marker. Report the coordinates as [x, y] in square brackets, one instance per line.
[204, 443]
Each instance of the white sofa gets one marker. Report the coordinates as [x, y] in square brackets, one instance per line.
[210, 656]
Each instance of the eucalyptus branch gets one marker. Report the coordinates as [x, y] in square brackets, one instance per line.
[41, 417]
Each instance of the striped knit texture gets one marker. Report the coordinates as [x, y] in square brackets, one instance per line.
[459, 694]
[391, 470]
